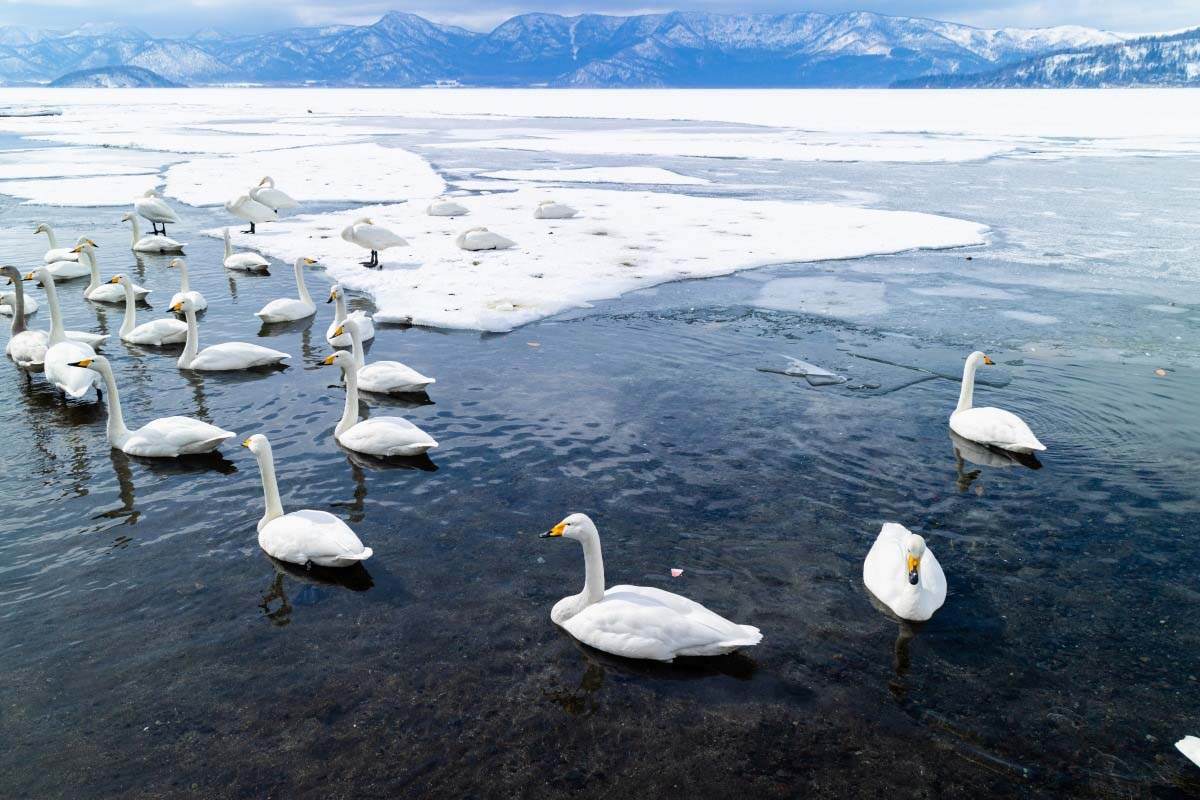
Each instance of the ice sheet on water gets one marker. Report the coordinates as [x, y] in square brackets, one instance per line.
[1030, 317]
[825, 296]
[634, 175]
[101, 190]
[69, 162]
[816, 376]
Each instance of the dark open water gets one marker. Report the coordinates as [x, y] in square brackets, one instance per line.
[149, 649]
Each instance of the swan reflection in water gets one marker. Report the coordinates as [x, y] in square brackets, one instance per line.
[315, 583]
[981, 455]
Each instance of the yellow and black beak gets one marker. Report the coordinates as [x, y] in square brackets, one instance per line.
[340, 330]
[28, 276]
[246, 443]
[557, 530]
[115, 279]
[310, 261]
[329, 359]
[84, 363]
[332, 297]
[988, 361]
[177, 307]
[77, 248]
[914, 566]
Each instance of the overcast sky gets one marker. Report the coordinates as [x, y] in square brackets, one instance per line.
[184, 16]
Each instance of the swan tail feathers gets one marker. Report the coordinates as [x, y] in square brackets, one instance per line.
[750, 637]
[362, 555]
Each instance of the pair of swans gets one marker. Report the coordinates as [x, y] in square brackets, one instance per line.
[64, 262]
[382, 437]
[260, 204]
[289, 309]
[365, 325]
[639, 621]
[155, 210]
[224, 357]
[374, 238]
[381, 377]
[156, 332]
[482, 239]
[99, 292]
[154, 243]
[243, 262]
[165, 437]
[59, 348]
[300, 537]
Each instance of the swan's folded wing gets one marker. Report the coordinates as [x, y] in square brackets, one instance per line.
[994, 426]
[285, 308]
[74, 381]
[175, 436]
[391, 376]
[237, 355]
[387, 436]
[311, 535]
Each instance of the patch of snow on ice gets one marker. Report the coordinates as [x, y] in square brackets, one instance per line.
[636, 175]
[100, 190]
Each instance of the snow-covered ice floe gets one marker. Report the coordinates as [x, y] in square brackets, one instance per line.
[631, 175]
[363, 172]
[621, 241]
[99, 190]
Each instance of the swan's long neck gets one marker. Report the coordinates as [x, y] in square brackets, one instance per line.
[57, 334]
[94, 283]
[966, 395]
[192, 344]
[593, 564]
[340, 304]
[360, 358]
[266, 465]
[130, 309]
[228, 245]
[184, 286]
[117, 432]
[18, 320]
[53, 239]
[137, 230]
[350, 413]
[300, 285]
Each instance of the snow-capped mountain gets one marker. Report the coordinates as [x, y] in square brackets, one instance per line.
[1171, 60]
[673, 49]
[113, 78]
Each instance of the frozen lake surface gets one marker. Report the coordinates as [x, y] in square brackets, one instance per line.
[151, 650]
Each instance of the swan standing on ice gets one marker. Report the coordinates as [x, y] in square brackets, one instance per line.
[287, 309]
[369, 236]
[154, 243]
[382, 377]
[185, 288]
[27, 348]
[994, 427]
[223, 357]
[274, 199]
[377, 436]
[62, 352]
[156, 210]
[243, 262]
[165, 437]
[42, 275]
[156, 332]
[904, 574]
[55, 253]
[246, 208]
[482, 239]
[99, 292]
[301, 537]
[366, 326]
[549, 209]
[443, 207]
[639, 621]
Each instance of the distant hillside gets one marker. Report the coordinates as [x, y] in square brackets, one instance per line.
[118, 77]
[1172, 60]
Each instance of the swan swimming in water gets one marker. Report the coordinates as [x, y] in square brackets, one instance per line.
[156, 332]
[8, 302]
[27, 348]
[369, 236]
[62, 352]
[40, 275]
[156, 210]
[243, 262]
[639, 621]
[246, 208]
[301, 537]
[185, 288]
[482, 239]
[381, 377]
[223, 357]
[154, 243]
[383, 437]
[65, 268]
[55, 253]
[165, 437]
[289, 309]
[274, 199]
[99, 292]
[994, 427]
[366, 326]
[904, 574]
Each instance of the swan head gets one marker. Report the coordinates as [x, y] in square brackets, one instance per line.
[341, 358]
[267, 181]
[85, 245]
[183, 306]
[42, 228]
[121, 279]
[177, 262]
[305, 261]
[92, 363]
[126, 217]
[258, 444]
[977, 358]
[12, 273]
[576, 526]
[333, 292]
[914, 551]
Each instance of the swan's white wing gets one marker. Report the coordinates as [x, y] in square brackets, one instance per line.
[155, 209]
[114, 293]
[885, 574]
[251, 210]
[554, 211]
[392, 376]
[74, 381]
[68, 270]
[644, 622]
[317, 536]
[484, 240]
[93, 340]
[236, 355]
[60, 254]
[996, 427]
[199, 303]
[273, 198]
[285, 309]
[374, 237]
[387, 436]
[157, 244]
[159, 332]
[366, 330]
[246, 261]
[28, 349]
[175, 436]
[1190, 747]
[447, 208]
[8, 304]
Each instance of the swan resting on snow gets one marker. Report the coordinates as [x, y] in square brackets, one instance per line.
[246, 208]
[154, 243]
[223, 357]
[994, 427]
[289, 309]
[243, 262]
[369, 236]
[165, 437]
[903, 574]
[274, 199]
[301, 537]
[156, 210]
[482, 239]
[639, 621]
[55, 253]
[156, 332]
[381, 377]
[443, 207]
[549, 209]
[383, 437]
[366, 326]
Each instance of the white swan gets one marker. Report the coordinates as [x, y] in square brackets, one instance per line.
[639, 621]
[274, 199]
[443, 207]
[288, 309]
[549, 209]
[154, 243]
[904, 574]
[27, 348]
[62, 352]
[42, 275]
[482, 239]
[369, 236]
[223, 357]
[1190, 747]
[165, 437]
[99, 292]
[382, 377]
[243, 262]
[156, 332]
[65, 269]
[246, 208]
[366, 326]
[301, 536]
[8, 302]
[377, 436]
[185, 288]
[156, 210]
[991, 426]
[55, 253]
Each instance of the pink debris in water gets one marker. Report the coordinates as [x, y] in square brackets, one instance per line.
[676, 572]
